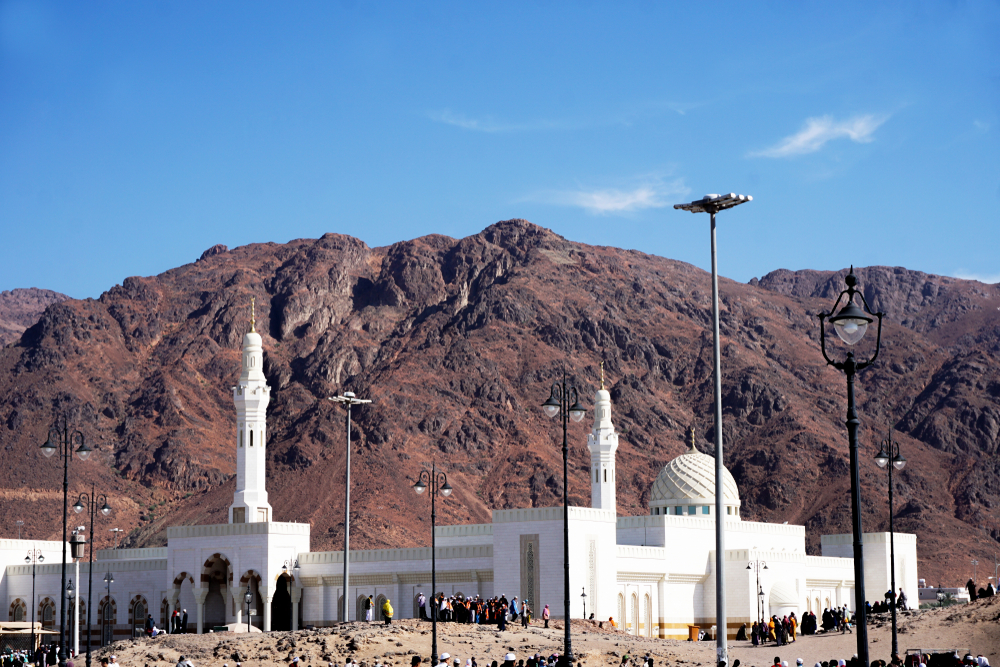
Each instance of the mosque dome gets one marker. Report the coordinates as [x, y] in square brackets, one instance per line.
[688, 482]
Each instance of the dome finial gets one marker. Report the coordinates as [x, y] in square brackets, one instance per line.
[253, 314]
[602, 374]
[691, 433]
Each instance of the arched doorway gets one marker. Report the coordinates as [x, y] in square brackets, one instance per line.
[251, 580]
[138, 614]
[216, 576]
[281, 604]
[107, 614]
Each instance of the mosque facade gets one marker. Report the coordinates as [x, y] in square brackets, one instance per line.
[653, 574]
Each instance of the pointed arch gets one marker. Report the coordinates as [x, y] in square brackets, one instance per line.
[621, 611]
[18, 610]
[47, 612]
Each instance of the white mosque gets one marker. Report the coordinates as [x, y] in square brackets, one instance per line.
[654, 574]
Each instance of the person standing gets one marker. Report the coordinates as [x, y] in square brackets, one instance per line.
[387, 611]
[369, 605]
[545, 615]
[525, 610]
[422, 605]
[184, 621]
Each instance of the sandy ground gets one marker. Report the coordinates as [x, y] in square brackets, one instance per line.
[975, 627]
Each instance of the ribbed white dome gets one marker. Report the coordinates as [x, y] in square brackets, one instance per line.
[692, 476]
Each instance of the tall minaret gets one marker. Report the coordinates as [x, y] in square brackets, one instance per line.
[602, 443]
[251, 397]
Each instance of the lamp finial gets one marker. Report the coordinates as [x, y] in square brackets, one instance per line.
[691, 433]
[602, 374]
[253, 314]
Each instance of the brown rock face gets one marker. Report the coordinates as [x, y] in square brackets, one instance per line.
[457, 342]
[20, 308]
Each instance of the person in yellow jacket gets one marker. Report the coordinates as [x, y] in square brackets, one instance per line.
[793, 625]
[387, 611]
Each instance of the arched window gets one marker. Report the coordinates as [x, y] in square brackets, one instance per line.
[377, 613]
[621, 611]
[138, 616]
[634, 625]
[647, 615]
[47, 613]
[251, 438]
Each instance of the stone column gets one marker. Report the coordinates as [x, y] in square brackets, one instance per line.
[661, 603]
[199, 597]
[266, 600]
[296, 594]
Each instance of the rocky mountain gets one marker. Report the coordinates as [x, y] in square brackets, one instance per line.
[457, 342]
[20, 308]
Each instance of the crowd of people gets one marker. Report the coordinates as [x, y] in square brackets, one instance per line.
[976, 594]
[951, 659]
[497, 611]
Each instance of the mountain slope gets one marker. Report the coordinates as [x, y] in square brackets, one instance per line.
[457, 342]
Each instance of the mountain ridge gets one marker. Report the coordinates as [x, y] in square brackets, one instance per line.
[457, 341]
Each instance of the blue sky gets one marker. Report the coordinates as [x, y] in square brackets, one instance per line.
[134, 135]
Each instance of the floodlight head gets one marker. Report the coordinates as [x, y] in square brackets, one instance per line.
[714, 203]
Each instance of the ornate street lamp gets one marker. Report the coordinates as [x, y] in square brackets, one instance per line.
[851, 323]
[889, 452]
[438, 483]
[758, 565]
[583, 596]
[564, 401]
[349, 401]
[63, 443]
[33, 558]
[712, 204]
[248, 598]
[90, 502]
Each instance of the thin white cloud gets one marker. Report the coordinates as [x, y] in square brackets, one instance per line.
[649, 193]
[490, 124]
[818, 131]
[981, 126]
[989, 279]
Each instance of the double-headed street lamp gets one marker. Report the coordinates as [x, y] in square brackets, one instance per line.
[583, 596]
[712, 204]
[89, 502]
[758, 565]
[348, 400]
[33, 558]
[438, 483]
[889, 453]
[63, 443]
[564, 401]
[851, 323]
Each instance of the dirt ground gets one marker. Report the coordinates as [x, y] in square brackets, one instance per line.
[974, 627]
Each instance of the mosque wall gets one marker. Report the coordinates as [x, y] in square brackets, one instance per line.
[878, 561]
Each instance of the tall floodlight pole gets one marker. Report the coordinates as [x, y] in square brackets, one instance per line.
[63, 443]
[712, 204]
[91, 503]
[889, 453]
[564, 401]
[851, 323]
[33, 558]
[348, 400]
[438, 483]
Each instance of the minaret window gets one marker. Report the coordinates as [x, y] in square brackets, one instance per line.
[241, 438]
[251, 438]
[605, 475]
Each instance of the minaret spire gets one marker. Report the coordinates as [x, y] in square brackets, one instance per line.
[602, 443]
[251, 396]
[691, 434]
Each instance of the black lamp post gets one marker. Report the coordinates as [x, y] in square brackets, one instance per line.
[583, 596]
[349, 400]
[248, 598]
[850, 323]
[438, 483]
[758, 565]
[89, 502]
[34, 557]
[564, 401]
[889, 452]
[297, 569]
[108, 579]
[69, 602]
[63, 442]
